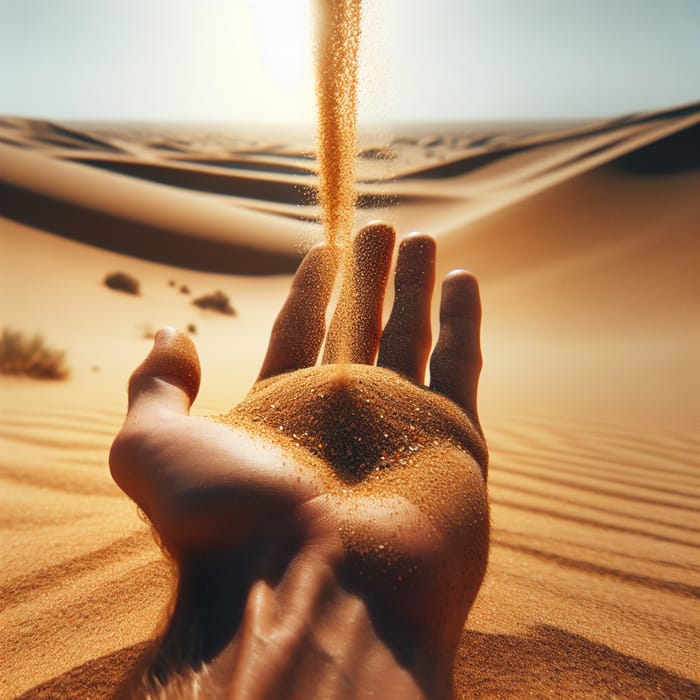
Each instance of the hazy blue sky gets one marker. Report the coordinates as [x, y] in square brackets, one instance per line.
[251, 60]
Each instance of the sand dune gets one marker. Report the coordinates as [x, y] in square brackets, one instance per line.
[142, 219]
[585, 238]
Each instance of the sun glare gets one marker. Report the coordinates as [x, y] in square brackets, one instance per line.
[283, 35]
[281, 68]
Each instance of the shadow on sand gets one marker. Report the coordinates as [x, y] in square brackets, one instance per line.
[549, 662]
[546, 663]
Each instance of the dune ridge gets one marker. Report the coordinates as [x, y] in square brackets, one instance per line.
[585, 242]
[232, 239]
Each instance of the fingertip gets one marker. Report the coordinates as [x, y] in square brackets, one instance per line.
[376, 238]
[460, 293]
[419, 238]
[374, 246]
[324, 258]
[318, 264]
[316, 250]
[377, 227]
[462, 275]
[416, 260]
[164, 334]
[172, 362]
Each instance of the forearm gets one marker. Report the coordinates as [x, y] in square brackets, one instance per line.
[313, 644]
[302, 635]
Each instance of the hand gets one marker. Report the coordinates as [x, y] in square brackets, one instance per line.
[361, 466]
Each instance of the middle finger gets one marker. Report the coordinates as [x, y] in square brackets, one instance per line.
[405, 343]
[355, 328]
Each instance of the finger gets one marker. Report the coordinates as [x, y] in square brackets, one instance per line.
[298, 332]
[456, 361]
[356, 325]
[405, 342]
[168, 379]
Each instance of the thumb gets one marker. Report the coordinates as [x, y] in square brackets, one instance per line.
[168, 379]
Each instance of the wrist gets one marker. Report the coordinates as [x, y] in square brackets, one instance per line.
[291, 630]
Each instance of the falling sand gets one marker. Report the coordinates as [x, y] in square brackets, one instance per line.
[364, 430]
[403, 467]
[336, 89]
[339, 30]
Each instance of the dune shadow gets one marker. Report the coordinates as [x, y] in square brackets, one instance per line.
[184, 176]
[549, 662]
[161, 243]
[676, 153]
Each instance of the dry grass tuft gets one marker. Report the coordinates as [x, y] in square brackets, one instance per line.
[218, 301]
[123, 282]
[28, 356]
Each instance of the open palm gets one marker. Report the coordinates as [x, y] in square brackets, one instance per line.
[377, 474]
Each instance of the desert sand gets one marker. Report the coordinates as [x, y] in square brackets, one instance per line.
[585, 239]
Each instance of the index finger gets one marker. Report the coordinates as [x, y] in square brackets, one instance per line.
[298, 331]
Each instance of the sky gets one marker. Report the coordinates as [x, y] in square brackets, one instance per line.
[432, 60]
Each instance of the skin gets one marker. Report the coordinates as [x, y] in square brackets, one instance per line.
[292, 583]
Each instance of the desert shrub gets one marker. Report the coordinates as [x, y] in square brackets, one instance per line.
[123, 282]
[218, 301]
[29, 356]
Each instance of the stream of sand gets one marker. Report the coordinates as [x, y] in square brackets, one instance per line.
[337, 51]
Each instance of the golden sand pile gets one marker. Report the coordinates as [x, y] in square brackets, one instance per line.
[365, 431]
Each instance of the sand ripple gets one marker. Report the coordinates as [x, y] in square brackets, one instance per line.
[591, 574]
